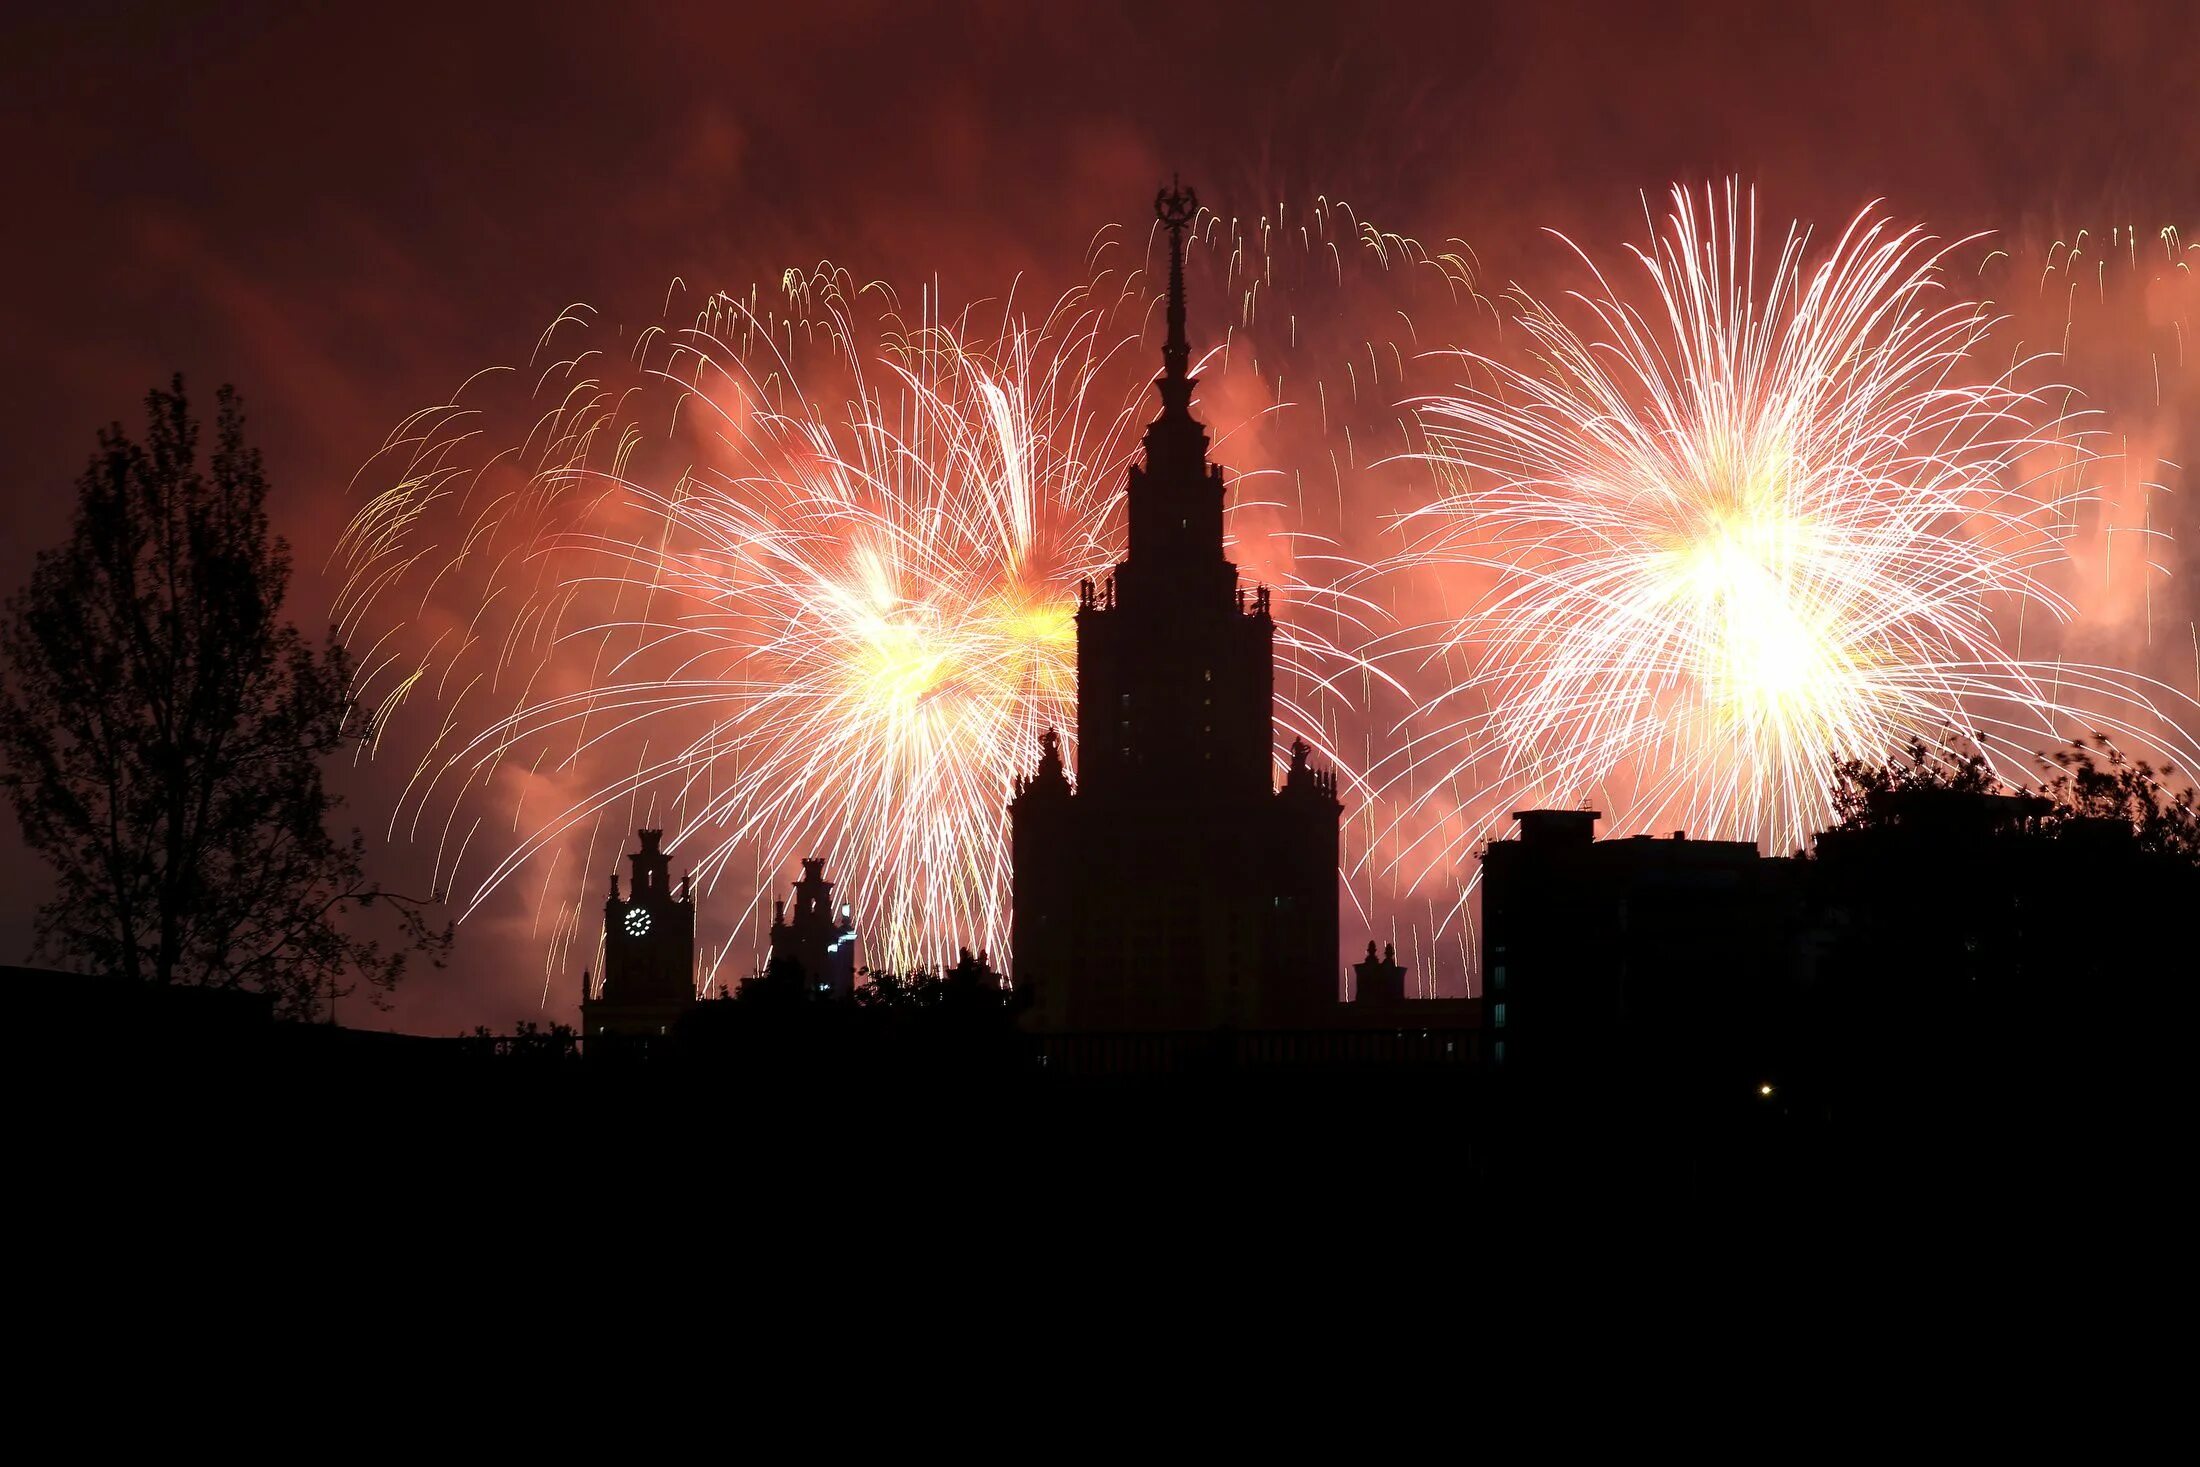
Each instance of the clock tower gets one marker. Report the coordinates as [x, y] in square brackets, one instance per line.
[648, 951]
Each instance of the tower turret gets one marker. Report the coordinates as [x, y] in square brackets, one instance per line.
[1379, 982]
[820, 941]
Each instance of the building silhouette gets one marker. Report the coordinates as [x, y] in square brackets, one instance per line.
[1593, 950]
[1175, 886]
[816, 939]
[648, 951]
[1379, 981]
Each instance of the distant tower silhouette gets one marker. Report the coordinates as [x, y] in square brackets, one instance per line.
[648, 951]
[1175, 886]
[1379, 981]
[821, 942]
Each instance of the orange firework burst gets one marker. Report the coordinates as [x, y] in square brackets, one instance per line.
[1777, 519]
[831, 623]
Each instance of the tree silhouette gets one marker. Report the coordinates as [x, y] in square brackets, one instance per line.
[1872, 795]
[528, 1041]
[2096, 781]
[2089, 785]
[163, 731]
[779, 984]
[971, 986]
[1964, 892]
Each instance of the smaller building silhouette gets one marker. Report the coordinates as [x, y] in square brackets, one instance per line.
[1379, 981]
[648, 951]
[816, 938]
[1664, 952]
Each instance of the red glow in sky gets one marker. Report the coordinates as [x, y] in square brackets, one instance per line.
[348, 211]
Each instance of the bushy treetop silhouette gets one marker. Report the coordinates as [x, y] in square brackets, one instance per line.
[162, 730]
[2088, 785]
[972, 985]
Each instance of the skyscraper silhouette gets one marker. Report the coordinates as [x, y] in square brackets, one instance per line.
[1175, 887]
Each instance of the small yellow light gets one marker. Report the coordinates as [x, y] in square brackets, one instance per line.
[1764, 1089]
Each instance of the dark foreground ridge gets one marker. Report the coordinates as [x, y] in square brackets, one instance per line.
[745, 1107]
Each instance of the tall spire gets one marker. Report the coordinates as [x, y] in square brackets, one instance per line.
[1174, 495]
[1174, 207]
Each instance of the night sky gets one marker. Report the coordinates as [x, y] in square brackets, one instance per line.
[347, 210]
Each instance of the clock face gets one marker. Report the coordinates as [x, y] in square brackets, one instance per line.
[637, 922]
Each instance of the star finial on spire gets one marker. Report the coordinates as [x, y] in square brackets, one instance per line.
[1176, 206]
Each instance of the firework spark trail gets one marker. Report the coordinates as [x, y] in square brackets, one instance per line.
[1770, 522]
[831, 622]
[2119, 304]
[1333, 320]
[848, 628]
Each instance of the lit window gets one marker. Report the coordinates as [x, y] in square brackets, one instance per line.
[1500, 1016]
[1497, 978]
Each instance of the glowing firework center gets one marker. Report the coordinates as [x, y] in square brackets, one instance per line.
[1744, 534]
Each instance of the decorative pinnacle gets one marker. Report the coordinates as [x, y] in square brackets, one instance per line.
[1175, 207]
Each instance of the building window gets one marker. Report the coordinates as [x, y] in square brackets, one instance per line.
[1497, 978]
[1500, 1051]
[1500, 1016]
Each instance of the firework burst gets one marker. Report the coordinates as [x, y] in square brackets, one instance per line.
[1777, 517]
[831, 621]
